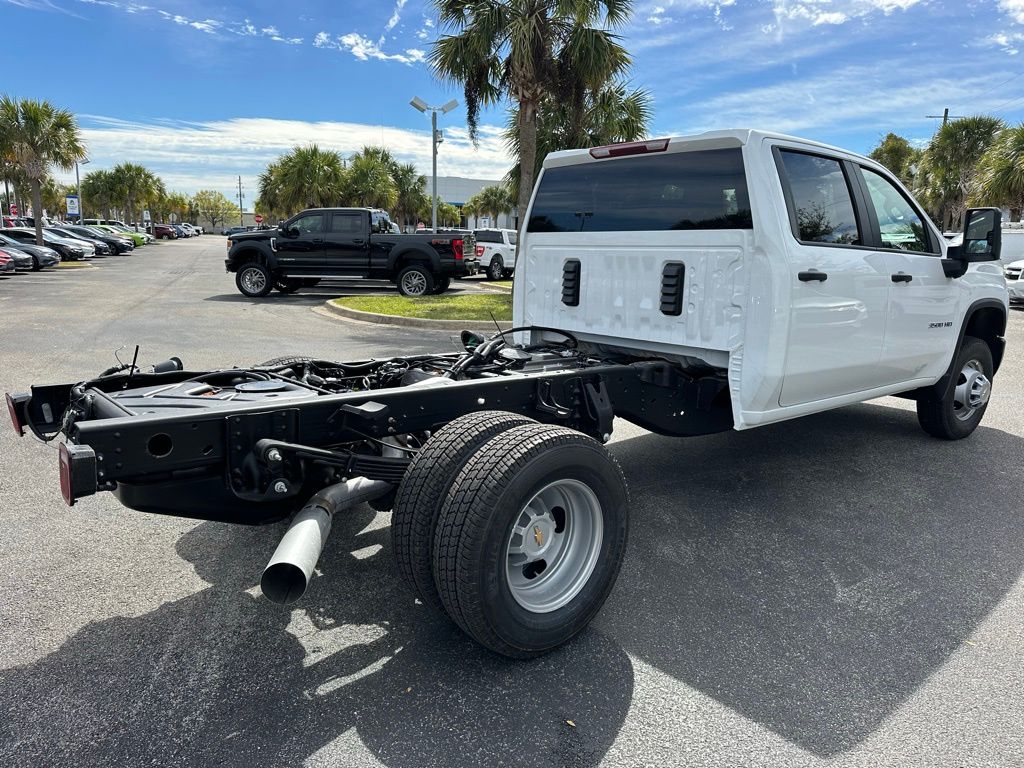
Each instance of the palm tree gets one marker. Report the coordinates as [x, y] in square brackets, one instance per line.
[53, 194]
[410, 185]
[38, 135]
[951, 163]
[308, 177]
[99, 192]
[612, 113]
[1001, 171]
[490, 201]
[527, 51]
[369, 180]
[136, 185]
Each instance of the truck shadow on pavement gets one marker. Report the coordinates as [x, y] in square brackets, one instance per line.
[812, 575]
[224, 677]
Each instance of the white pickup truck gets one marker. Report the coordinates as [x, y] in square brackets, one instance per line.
[496, 252]
[688, 285]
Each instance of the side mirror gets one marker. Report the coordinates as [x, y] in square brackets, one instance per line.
[982, 235]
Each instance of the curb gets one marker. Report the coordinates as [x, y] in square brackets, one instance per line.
[408, 322]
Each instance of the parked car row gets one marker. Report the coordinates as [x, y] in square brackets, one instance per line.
[174, 231]
[64, 241]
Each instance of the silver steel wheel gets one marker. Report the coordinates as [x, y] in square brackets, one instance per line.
[972, 392]
[414, 283]
[554, 546]
[496, 269]
[253, 280]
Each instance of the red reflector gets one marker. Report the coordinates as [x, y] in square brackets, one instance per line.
[18, 427]
[65, 475]
[630, 148]
[457, 247]
[479, 251]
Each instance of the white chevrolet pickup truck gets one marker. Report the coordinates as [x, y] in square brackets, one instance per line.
[689, 285]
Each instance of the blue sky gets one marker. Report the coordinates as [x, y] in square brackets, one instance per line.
[204, 91]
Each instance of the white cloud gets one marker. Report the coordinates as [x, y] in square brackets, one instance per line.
[1010, 42]
[396, 15]
[191, 156]
[1014, 9]
[818, 12]
[363, 48]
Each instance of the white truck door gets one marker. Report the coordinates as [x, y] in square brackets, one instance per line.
[921, 329]
[839, 288]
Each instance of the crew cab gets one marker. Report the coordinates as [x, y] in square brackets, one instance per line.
[496, 251]
[690, 285]
[348, 243]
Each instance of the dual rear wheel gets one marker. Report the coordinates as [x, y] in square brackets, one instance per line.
[516, 530]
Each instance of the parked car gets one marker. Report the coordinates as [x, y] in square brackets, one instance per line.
[343, 243]
[139, 238]
[1014, 274]
[41, 256]
[101, 248]
[68, 248]
[21, 260]
[7, 266]
[117, 243]
[236, 230]
[189, 229]
[496, 252]
[199, 230]
[164, 232]
[180, 230]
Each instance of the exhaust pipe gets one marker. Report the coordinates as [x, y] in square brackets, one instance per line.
[288, 573]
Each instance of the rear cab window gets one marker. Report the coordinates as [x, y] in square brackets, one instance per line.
[703, 189]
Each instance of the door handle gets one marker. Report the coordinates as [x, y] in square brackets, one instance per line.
[358, 241]
[902, 277]
[318, 239]
[811, 275]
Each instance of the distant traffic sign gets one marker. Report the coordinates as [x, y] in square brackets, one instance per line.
[258, 219]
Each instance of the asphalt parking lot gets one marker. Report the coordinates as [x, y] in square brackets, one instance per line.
[838, 590]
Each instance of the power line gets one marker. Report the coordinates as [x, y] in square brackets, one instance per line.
[1016, 98]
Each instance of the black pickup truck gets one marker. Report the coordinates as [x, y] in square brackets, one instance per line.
[345, 243]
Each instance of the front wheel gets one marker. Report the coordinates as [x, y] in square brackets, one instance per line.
[415, 280]
[960, 409]
[287, 286]
[254, 280]
[530, 539]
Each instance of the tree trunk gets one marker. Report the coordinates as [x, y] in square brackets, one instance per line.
[527, 156]
[37, 208]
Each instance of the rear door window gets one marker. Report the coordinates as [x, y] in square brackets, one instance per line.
[655, 192]
[347, 223]
[820, 199]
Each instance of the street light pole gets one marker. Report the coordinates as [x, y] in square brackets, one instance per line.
[78, 183]
[422, 106]
[433, 175]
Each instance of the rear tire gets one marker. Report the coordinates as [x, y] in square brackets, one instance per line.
[254, 280]
[548, 477]
[496, 269]
[424, 487]
[415, 280]
[961, 408]
[35, 264]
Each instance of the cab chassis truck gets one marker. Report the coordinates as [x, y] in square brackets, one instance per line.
[688, 285]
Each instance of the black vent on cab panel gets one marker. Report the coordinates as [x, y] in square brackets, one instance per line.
[672, 288]
[571, 283]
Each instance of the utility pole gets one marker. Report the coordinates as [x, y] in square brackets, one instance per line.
[944, 116]
[241, 216]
